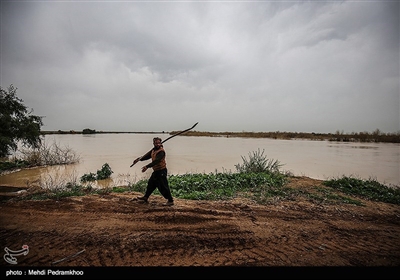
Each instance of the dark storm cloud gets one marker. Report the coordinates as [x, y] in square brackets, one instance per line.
[256, 66]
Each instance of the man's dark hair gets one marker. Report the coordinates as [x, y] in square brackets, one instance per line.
[157, 138]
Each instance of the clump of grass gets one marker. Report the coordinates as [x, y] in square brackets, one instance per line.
[322, 195]
[58, 182]
[368, 189]
[12, 164]
[68, 190]
[52, 154]
[45, 154]
[217, 186]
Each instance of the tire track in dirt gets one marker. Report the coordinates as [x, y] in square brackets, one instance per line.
[205, 230]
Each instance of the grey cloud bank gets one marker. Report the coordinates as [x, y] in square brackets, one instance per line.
[231, 66]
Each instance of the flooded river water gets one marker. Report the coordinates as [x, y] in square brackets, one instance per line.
[189, 154]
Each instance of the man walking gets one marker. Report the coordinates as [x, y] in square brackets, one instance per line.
[158, 178]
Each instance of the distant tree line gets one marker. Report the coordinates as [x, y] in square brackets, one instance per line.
[376, 136]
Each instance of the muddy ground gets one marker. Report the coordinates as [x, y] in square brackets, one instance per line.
[117, 231]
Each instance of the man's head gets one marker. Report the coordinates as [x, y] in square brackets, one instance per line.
[157, 142]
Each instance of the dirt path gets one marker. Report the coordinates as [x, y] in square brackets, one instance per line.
[115, 231]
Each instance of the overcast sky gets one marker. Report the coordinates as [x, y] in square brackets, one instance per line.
[299, 66]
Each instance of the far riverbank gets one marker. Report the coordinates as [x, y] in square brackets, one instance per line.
[366, 137]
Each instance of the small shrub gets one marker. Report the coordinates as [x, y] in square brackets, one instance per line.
[258, 163]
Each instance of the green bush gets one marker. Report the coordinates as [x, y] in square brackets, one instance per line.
[258, 163]
[88, 177]
[104, 173]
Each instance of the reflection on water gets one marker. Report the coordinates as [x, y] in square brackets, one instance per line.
[315, 159]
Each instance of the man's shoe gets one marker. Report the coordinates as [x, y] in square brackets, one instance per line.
[169, 203]
[142, 198]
